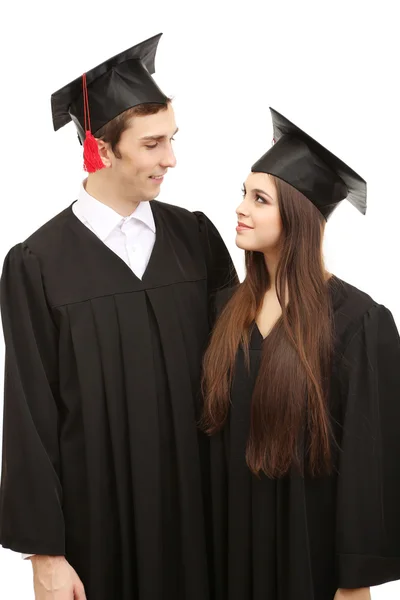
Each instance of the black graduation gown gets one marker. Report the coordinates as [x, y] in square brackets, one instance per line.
[298, 538]
[102, 459]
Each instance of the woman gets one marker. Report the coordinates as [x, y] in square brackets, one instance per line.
[302, 398]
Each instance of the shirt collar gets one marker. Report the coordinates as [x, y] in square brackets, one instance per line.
[103, 219]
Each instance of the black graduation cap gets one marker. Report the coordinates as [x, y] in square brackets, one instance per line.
[302, 162]
[114, 86]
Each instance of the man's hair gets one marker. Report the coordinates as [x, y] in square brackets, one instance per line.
[112, 131]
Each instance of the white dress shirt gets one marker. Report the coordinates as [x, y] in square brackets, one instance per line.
[131, 238]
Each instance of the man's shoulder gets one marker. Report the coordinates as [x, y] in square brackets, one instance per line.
[184, 219]
[50, 233]
[173, 211]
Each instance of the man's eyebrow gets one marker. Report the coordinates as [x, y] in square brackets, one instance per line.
[157, 137]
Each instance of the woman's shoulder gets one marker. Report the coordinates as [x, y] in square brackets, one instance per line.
[348, 298]
[353, 310]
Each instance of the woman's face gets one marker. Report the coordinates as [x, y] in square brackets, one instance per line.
[259, 221]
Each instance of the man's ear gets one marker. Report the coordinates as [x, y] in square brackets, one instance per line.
[105, 152]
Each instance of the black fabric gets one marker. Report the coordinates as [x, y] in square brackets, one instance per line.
[313, 170]
[119, 83]
[303, 538]
[102, 459]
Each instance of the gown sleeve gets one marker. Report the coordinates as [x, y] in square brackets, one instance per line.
[368, 501]
[31, 516]
[221, 272]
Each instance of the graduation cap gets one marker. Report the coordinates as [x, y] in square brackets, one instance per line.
[103, 93]
[299, 160]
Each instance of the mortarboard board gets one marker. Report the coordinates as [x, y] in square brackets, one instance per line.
[114, 86]
[302, 162]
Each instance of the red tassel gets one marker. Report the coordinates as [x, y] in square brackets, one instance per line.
[91, 157]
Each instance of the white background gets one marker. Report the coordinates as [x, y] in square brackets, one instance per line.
[332, 68]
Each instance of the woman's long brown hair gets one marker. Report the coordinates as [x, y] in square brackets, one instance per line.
[289, 417]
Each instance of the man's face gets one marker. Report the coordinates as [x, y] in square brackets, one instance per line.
[146, 154]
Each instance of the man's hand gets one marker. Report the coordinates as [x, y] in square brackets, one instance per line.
[359, 594]
[55, 579]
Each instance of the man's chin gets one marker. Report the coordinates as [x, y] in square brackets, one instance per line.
[155, 192]
[148, 196]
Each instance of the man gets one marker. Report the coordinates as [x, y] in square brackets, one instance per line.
[106, 312]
